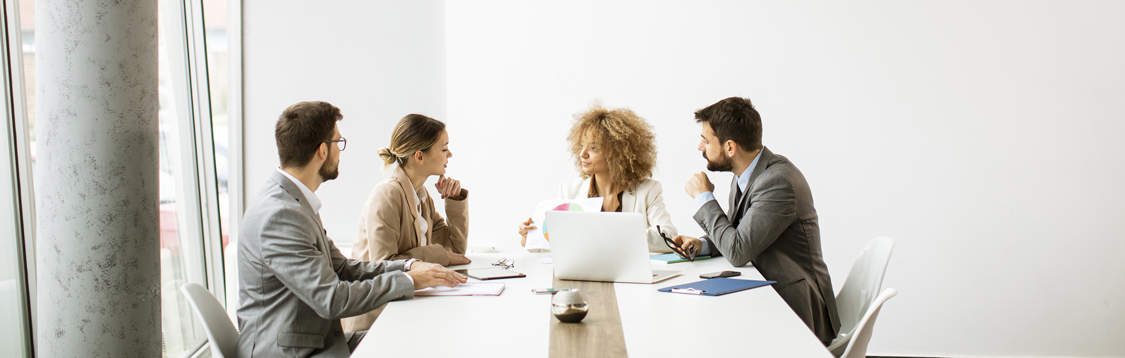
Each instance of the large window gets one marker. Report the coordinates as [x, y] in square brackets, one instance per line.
[15, 339]
[223, 77]
[196, 169]
[181, 244]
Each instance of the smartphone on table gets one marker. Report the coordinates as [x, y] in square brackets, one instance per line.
[727, 273]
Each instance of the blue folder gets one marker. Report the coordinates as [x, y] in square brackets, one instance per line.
[716, 286]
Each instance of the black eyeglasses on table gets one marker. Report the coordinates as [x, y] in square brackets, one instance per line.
[505, 263]
[690, 255]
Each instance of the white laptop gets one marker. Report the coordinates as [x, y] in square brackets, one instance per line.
[596, 246]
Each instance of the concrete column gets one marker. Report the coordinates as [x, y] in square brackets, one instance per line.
[96, 179]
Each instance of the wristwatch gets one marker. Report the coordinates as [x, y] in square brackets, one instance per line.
[406, 265]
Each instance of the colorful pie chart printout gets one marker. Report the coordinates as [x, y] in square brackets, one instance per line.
[567, 207]
[561, 207]
[538, 239]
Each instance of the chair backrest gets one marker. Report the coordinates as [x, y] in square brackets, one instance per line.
[221, 334]
[860, 288]
[857, 347]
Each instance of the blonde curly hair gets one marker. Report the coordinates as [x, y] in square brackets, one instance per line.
[623, 137]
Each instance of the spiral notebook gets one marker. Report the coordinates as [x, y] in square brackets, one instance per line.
[464, 289]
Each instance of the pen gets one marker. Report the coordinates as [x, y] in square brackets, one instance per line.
[551, 290]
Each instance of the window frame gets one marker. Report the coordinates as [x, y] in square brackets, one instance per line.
[17, 170]
[194, 58]
[235, 185]
[187, 58]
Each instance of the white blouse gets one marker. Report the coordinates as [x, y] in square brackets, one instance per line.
[421, 220]
[647, 198]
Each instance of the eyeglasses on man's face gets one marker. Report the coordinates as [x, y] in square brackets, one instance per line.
[342, 143]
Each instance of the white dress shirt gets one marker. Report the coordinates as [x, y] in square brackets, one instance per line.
[314, 202]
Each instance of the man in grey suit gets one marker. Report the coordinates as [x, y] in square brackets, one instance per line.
[294, 285]
[770, 222]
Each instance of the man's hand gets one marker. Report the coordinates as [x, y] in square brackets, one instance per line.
[426, 274]
[420, 265]
[457, 259]
[449, 188]
[524, 228]
[697, 184]
[688, 244]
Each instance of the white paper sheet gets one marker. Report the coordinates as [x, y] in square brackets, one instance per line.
[465, 289]
[537, 239]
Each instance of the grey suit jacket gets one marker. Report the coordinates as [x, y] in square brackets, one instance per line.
[774, 226]
[293, 283]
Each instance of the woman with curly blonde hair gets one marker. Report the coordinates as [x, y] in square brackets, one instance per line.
[614, 151]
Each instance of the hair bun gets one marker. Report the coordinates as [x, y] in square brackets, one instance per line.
[388, 157]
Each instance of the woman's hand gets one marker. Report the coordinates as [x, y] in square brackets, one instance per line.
[457, 259]
[448, 187]
[524, 228]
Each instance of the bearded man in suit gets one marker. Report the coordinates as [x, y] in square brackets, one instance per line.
[294, 285]
[770, 221]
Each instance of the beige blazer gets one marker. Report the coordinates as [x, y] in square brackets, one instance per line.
[389, 230]
[647, 198]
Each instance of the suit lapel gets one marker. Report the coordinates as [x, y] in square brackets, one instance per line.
[629, 200]
[763, 162]
[744, 202]
[411, 203]
[732, 206]
[291, 188]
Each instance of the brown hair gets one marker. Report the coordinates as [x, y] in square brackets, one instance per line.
[623, 137]
[734, 119]
[412, 133]
[301, 129]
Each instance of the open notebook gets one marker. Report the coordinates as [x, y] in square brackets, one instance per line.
[464, 289]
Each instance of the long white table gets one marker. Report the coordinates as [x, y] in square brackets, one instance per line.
[655, 324]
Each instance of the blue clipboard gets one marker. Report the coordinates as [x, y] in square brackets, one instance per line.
[716, 286]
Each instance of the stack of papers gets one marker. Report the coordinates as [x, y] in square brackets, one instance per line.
[464, 289]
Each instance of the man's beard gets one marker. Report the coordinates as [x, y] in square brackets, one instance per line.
[327, 174]
[725, 163]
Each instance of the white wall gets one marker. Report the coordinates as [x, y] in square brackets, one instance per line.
[984, 136]
[377, 61]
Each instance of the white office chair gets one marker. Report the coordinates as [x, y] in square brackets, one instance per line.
[857, 346]
[221, 334]
[859, 290]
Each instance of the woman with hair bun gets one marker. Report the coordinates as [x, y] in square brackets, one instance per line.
[614, 152]
[399, 220]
